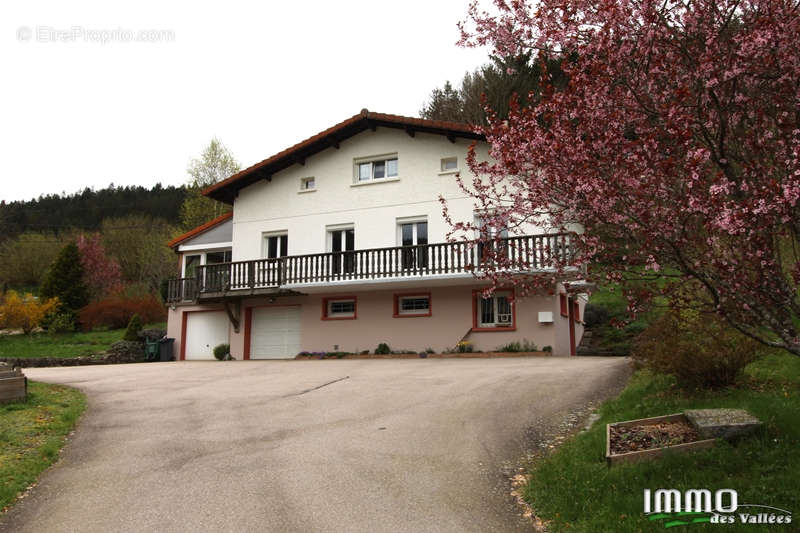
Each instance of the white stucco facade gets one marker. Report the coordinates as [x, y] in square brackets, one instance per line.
[280, 203]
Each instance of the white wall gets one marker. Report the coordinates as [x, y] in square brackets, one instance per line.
[373, 209]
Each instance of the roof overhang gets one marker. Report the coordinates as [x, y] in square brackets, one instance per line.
[226, 190]
[174, 243]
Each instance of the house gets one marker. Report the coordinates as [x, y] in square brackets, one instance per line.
[338, 243]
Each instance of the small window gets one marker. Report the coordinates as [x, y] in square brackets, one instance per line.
[338, 308]
[449, 163]
[308, 184]
[494, 312]
[376, 170]
[576, 311]
[406, 305]
[563, 302]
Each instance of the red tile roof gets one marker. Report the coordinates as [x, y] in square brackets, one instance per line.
[199, 229]
[226, 190]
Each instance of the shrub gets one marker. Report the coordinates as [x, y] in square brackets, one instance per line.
[25, 312]
[595, 315]
[63, 322]
[700, 350]
[383, 349]
[517, 346]
[134, 327]
[547, 349]
[115, 311]
[222, 351]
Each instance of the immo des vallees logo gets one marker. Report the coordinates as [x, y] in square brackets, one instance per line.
[696, 506]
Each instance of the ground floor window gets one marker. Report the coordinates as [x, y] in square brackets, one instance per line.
[494, 312]
[412, 304]
[340, 308]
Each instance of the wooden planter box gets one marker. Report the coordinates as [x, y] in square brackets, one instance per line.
[13, 385]
[647, 455]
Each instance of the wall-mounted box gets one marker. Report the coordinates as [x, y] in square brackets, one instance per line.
[546, 317]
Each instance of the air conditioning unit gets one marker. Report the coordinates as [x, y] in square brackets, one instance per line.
[504, 318]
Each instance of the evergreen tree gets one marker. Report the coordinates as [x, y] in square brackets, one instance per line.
[64, 280]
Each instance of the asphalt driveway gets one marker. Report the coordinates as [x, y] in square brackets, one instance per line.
[351, 445]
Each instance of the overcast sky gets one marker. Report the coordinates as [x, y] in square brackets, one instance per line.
[260, 76]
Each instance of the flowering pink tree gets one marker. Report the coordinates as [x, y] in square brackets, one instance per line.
[675, 144]
[102, 273]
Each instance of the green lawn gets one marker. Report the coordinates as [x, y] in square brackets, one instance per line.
[61, 344]
[575, 490]
[614, 338]
[32, 433]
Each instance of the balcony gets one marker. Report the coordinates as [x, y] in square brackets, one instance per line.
[527, 254]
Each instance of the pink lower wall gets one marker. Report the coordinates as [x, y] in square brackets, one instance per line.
[450, 321]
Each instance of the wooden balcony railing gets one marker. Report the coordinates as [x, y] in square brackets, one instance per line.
[527, 253]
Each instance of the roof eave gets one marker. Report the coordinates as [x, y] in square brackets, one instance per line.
[226, 190]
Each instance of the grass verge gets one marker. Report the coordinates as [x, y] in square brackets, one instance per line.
[575, 491]
[32, 433]
[62, 344]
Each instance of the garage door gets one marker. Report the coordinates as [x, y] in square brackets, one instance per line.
[275, 332]
[204, 331]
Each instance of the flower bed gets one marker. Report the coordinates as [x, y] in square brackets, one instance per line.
[648, 438]
[458, 355]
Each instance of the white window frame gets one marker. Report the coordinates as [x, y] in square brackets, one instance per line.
[385, 158]
[329, 230]
[495, 310]
[445, 160]
[330, 314]
[203, 257]
[304, 182]
[411, 220]
[265, 242]
[412, 312]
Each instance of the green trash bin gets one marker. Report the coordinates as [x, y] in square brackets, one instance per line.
[151, 350]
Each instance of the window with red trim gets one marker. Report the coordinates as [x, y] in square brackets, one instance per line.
[340, 308]
[412, 304]
[564, 310]
[576, 311]
[495, 312]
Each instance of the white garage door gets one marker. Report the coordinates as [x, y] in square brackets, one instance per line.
[275, 332]
[204, 331]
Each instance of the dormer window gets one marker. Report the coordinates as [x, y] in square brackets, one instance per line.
[376, 169]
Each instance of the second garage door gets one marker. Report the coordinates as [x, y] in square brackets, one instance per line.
[275, 332]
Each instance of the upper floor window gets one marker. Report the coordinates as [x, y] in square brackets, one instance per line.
[308, 184]
[276, 245]
[449, 163]
[376, 169]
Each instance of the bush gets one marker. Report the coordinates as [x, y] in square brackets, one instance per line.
[115, 311]
[63, 322]
[595, 315]
[700, 350]
[517, 346]
[134, 327]
[383, 349]
[222, 351]
[25, 312]
[548, 349]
